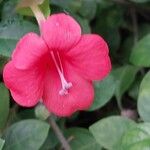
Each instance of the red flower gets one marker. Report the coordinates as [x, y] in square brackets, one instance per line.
[57, 68]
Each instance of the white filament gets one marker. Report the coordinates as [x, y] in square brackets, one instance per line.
[65, 85]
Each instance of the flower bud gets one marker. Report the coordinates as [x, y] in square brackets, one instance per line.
[41, 112]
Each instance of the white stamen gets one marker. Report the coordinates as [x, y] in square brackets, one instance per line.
[60, 63]
[65, 85]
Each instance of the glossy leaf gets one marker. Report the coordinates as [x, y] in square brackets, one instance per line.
[26, 135]
[144, 98]
[4, 105]
[137, 138]
[104, 90]
[124, 77]
[109, 131]
[141, 52]
[50, 142]
[82, 139]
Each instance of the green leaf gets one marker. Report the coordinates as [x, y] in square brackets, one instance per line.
[4, 105]
[7, 46]
[8, 10]
[84, 23]
[3, 61]
[111, 127]
[82, 139]
[141, 52]
[50, 142]
[124, 77]
[11, 31]
[107, 24]
[26, 135]
[104, 90]
[144, 98]
[44, 8]
[69, 5]
[16, 28]
[88, 9]
[27, 114]
[144, 30]
[140, 1]
[126, 48]
[1, 144]
[137, 138]
[134, 90]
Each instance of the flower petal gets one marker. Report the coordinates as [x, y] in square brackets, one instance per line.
[30, 51]
[90, 57]
[80, 96]
[61, 32]
[26, 86]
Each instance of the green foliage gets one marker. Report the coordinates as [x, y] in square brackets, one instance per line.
[144, 98]
[141, 52]
[109, 131]
[137, 138]
[140, 1]
[102, 87]
[11, 31]
[1, 143]
[125, 27]
[82, 139]
[124, 77]
[26, 134]
[88, 9]
[51, 141]
[4, 105]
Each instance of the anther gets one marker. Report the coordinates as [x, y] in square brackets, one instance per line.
[68, 85]
[63, 92]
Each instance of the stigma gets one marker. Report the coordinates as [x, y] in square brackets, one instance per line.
[65, 85]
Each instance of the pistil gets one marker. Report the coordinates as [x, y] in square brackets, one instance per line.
[65, 85]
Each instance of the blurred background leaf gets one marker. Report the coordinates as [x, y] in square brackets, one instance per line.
[4, 105]
[26, 134]
[11, 31]
[1, 143]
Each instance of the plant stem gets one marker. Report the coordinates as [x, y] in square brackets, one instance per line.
[37, 13]
[59, 134]
[119, 103]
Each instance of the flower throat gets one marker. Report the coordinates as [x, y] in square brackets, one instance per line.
[65, 85]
